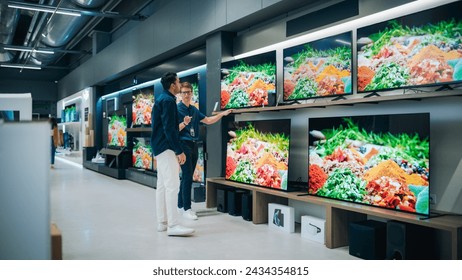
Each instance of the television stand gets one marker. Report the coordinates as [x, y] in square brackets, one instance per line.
[444, 87]
[374, 93]
[340, 213]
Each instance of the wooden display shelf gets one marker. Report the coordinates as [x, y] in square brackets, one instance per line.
[139, 129]
[338, 213]
[349, 100]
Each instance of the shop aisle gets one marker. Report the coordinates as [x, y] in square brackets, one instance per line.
[102, 218]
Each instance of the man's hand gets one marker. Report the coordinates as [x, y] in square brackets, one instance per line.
[181, 158]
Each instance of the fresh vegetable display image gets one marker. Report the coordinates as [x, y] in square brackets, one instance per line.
[199, 171]
[117, 131]
[317, 69]
[248, 82]
[258, 153]
[142, 154]
[380, 160]
[142, 104]
[420, 49]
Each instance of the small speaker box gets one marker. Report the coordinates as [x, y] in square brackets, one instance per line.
[410, 242]
[222, 200]
[367, 239]
[246, 208]
[235, 202]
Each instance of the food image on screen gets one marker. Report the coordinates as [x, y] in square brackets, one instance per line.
[318, 69]
[376, 160]
[198, 175]
[258, 153]
[117, 134]
[143, 100]
[421, 49]
[248, 82]
[142, 154]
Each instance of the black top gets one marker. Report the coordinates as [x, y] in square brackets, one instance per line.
[165, 133]
[197, 116]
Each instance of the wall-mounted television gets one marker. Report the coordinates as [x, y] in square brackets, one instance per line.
[420, 49]
[199, 171]
[320, 68]
[249, 82]
[257, 153]
[142, 156]
[378, 160]
[117, 130]
[143, 100]
[194, 81]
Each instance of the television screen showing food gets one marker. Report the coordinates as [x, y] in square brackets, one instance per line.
[143, 100]
[421, 49]
[320, 68]
[142, 156]
[199, 171]
[258, 153]
[117, 131]
[249, 82]
[194, 81]
[380, 160]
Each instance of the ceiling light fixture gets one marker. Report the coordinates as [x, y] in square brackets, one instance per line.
[20, 66]
[42, 8]
[26, 49]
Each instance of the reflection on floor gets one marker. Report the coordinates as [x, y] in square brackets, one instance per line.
[104, 218]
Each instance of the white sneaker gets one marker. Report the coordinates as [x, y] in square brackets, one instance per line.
[161, 227]
[179, 231]
[190, 214]
[180, 211]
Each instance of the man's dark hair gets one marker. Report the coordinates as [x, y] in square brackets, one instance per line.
[168, 79]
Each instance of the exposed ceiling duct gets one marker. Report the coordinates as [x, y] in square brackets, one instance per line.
[60, 29]
[8, 22]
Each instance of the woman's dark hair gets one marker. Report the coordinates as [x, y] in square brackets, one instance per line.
[168, 79]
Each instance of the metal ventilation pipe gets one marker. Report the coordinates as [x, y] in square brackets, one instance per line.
[62, 28]
[8, 22]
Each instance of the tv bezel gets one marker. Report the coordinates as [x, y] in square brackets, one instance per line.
[288, 121]
[422, 17]
[292, 51]
[422, 114]
[235, 62]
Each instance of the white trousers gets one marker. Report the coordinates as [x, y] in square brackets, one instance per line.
[168, 185]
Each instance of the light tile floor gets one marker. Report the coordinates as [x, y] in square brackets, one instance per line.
[102, 218]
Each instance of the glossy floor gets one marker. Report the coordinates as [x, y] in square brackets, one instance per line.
[102, 218]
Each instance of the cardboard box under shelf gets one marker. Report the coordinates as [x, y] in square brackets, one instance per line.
[56, 243]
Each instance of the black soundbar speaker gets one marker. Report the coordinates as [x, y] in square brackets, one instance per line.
[222, 200]
[367, 239]
[198, 193]
[410, 242]
[235, 202]
[246, 206]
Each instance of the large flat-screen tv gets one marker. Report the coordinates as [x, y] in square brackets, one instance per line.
[249, 82]
[320, 68]
[257, 153]
[117, 130]
[194, 81]
[420, 49]
[378, 160]
[199, 171]
[142, 155]
[143, 100]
